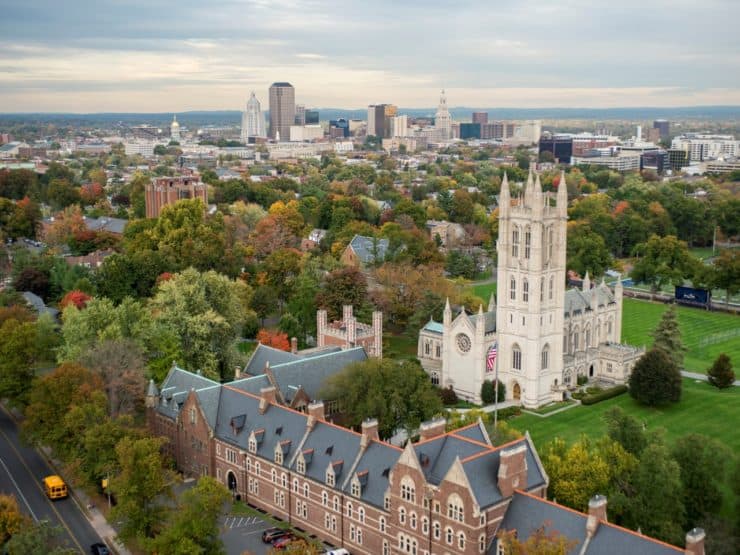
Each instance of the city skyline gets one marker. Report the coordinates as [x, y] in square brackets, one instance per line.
[137, 56]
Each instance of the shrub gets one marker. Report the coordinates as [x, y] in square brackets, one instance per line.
[448, 396]
[582, 380]
[604, 395]
[720, 374]
[508, 412]
[488, 393]
[655, 379]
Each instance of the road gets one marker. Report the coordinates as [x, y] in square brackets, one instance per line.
[21, 470]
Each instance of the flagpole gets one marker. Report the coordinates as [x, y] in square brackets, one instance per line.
[495, 396]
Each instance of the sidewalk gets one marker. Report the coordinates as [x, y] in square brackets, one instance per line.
[100, 524]
[702, 377]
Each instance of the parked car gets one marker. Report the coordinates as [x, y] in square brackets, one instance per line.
[99, 549]
[272, 534]
[282, 543]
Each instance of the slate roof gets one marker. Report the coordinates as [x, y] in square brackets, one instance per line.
[377, 460]
[577, 300]
[175, 388]
[527, 513]
[489, 319]
[331, 444]
[264, 354]
[437, 455]
[114, 225]
[311, 373]
[365, 247]
[37, 303]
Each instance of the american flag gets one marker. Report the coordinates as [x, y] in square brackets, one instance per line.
[491, 358]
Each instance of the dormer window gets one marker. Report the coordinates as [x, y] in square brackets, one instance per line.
[252, 445]
[356, 490]
[330, 477]
[278, 455]
[301, 465]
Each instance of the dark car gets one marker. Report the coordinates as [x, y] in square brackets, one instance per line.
[99, 549]
[272, 534]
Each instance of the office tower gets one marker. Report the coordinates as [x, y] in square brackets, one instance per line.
[300, 114]
[339, 128]
[379, 117]
[175, 130]
[561, 146]
[442, 119]
[311, 117]
[663, 126]
[282, 110]
[400, 126]
[480, 117]
[253, 120]
[470, 130]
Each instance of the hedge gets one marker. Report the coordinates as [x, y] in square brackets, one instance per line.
[604, 395]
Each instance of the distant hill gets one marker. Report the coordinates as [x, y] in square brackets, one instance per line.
[233, 117]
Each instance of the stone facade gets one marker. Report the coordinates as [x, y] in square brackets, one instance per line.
[544, 336]
[348, 333]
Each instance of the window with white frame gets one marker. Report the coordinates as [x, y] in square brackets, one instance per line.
[336, 503]
[386, 548]
[545, 357]
[461, 540]
[306, 489]
[273, 476]
[455, 508]
[525, 291]
[449, 536]
[425, 525]
[412, 520]
[330, 477]
[252, 447]
[402, 515]
[324, 499]
[361, 514]
[437, 527]
[408, 489]
[300, 465]
[359, 535]
[295, 485]
[381, 524]
[349, 510]
[278, 455]
[356, 489]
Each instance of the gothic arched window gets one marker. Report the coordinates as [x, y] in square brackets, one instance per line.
[512, 289]
[516, 357]
[545, 357]
[527, 243]
[552, 287]
[525, 291]
[515, 242]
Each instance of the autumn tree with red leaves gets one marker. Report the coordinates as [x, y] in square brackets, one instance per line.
[274, 339]
[76, 298]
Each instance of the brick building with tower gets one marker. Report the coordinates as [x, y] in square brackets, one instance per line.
[168, 190]
[348, 333]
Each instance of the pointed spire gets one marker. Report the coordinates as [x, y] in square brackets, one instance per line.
[492, 302]
[537, 185]
[530, 178]
[447, 314]
[563, 193]
[480, 309]
[447, 304]
[586, 282]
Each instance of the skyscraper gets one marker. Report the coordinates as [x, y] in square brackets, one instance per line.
[480, 117]
[300, 114]
[282, 110]
[253, 120]
[663, 126]
[442, 119]
[379, 117]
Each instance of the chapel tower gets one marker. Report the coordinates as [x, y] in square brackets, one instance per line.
[531, 290]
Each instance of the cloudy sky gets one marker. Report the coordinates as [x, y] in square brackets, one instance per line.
[153, 55]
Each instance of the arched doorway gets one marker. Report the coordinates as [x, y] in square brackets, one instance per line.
[231, 481]
[591, 371]
[516, 392]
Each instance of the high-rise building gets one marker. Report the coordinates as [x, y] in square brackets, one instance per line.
[470, 131]
[561, 146]
[400, 126]
[300, 114]
[379, 118]
[480, 117]
[663, 126]
[253, 120]
[442, 119]
[311, 117]
[175, 130]
[282, 110]
[339, 128]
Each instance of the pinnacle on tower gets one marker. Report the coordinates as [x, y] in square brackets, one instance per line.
[492, 302]
[586, 282]
[563, 193]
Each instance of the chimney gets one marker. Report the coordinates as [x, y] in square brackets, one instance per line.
[267, 395]
[315, 412]
[237, 372]
[596, 513]
[695, 542]
[369, 431]
[512, 469]
[432, 428]
[294, 345]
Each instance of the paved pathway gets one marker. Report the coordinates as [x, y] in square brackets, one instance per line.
[702, 377]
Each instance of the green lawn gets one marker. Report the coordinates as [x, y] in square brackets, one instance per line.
[484, 290]
[705, 334]
[400, 346]
[703, 409]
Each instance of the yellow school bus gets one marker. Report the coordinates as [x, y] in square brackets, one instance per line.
[55, 487]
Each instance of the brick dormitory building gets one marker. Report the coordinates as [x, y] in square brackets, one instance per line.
[448, 493]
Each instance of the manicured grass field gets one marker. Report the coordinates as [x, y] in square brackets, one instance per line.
[703, 409]
[484, 291]
[705, 334]
[400, 346]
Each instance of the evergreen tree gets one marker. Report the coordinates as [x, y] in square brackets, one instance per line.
[720, 374]
[667, 336]
[655, 379]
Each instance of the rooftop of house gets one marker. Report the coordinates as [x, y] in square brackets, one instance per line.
[367, 248]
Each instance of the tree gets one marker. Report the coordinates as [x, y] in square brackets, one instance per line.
[18, 354]
[76, 298]
[11, 517]
[541, 542]
[51, 398]
[667, 337]
[34, 280]
[626, 430]
[399, 395]
[193, 527]
[64, 226]
[726, 272]
[97, 455]
[61, 194]
[274, 339]
[703, 463]
[460, 264]
[720, 374]
[120, 365]
[140, 486]
[587, 250]
[205, 312]
[341, 287]
[488, 392]
[656, 506]
[663, 260]
[40, 538]
[655, 379]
